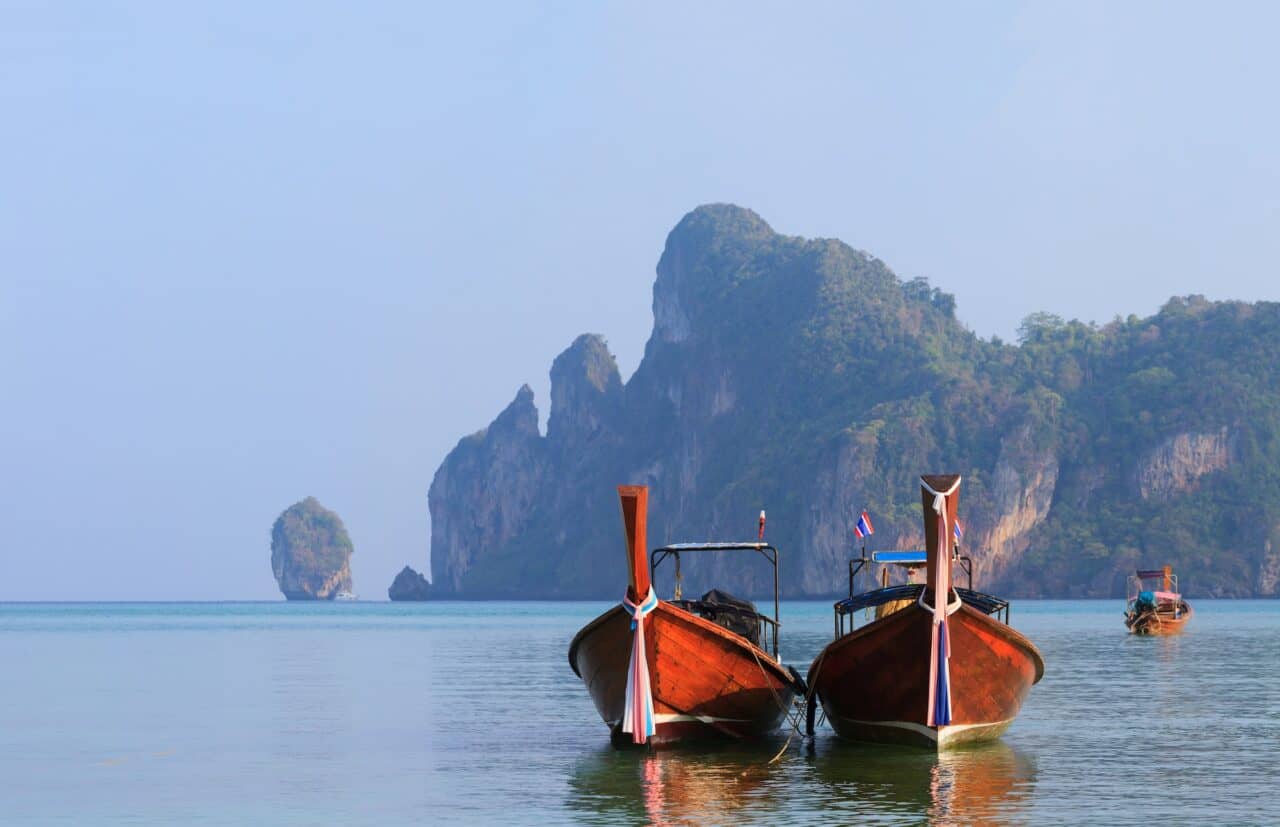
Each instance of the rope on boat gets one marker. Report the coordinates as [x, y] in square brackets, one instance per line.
[792, 716]
[789, 714]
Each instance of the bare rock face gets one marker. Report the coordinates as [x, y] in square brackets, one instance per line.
[1269, 567]
[1178, 462]
[310, 552]
[1022, 489]
[409, 585]
[840, 492]
[481, 494]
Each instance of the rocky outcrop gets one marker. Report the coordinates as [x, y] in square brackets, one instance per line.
[310, 552]
[586, 395]
[409, 585]
[1178, 462]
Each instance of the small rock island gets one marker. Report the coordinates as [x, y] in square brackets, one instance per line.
[310, 552]
[408, 585]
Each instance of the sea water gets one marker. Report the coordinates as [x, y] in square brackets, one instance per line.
[377, 713]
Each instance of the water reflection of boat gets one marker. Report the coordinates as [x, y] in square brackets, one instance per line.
[701, 662]
[724, 785]
[1154, 605]
[979, 784]
[943, 669]
[846, 782]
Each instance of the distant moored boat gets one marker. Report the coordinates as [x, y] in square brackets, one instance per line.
[1153, 605]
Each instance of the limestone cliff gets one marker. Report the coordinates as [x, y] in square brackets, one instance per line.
[310, 552]
[805, 377]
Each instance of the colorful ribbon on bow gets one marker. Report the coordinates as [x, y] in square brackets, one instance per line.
[637, 714]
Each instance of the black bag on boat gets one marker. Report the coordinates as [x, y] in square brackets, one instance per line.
[733, 613]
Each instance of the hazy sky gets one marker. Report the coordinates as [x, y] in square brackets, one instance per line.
[256, 251]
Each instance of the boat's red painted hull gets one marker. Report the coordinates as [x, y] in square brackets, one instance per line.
[874, 682]
[707, 682]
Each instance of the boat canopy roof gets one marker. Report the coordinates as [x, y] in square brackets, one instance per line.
[905, 558]
[716, 547]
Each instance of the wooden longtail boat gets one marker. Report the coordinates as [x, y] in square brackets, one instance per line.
[707, 675]
[1153, 604]
[936, 677]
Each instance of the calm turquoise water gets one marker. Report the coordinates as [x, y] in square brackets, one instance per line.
[360, 713]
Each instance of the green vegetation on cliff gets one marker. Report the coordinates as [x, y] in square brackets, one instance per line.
[805, 377]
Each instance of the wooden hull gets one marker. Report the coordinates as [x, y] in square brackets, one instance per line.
[707, 682]
[874, 682]
[1159, 622]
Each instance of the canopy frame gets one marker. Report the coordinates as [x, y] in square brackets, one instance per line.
[766, 550]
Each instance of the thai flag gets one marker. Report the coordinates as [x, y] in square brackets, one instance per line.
[959, 530]
[863, 527]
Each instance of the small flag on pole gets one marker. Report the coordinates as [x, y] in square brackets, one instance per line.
[959, 530]
[762, 524]
[863, 527]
